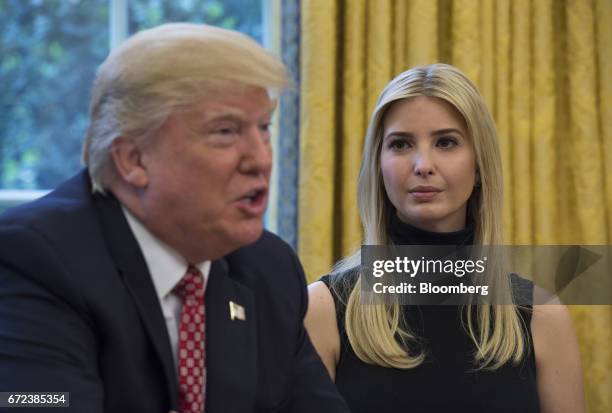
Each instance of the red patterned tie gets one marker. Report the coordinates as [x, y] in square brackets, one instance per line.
[191, 358]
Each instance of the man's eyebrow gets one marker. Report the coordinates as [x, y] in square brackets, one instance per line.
[225, 114]
[236, 117]
[231, 115]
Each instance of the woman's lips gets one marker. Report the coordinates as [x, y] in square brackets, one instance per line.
[424, 195]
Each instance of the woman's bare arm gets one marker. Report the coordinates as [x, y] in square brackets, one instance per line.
[321, 325]
[559, 372]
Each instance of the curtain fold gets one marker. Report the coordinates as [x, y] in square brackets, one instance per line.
[353, 113]
[318, 120]
[603, 13]
[588, 151]
[520, 166]
[544, 68]
[544, 145]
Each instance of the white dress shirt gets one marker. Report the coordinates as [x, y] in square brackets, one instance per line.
[167, 267]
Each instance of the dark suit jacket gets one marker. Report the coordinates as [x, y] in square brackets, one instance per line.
[79, 313]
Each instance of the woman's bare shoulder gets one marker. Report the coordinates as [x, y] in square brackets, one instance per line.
[321, 325]
[557, 355]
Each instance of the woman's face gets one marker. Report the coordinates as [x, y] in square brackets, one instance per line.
[428, 164]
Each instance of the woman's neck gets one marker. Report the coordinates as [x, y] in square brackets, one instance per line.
[407, 234]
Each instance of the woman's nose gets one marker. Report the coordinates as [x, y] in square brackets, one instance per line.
[423, 163]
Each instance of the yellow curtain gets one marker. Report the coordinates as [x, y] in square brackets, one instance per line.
[545, 69]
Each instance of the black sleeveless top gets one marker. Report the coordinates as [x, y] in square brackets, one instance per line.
[447, 380]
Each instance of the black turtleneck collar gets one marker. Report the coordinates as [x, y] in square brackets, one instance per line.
[402, 233]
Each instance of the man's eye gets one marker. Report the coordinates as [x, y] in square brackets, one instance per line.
[226, 131]
[446, 143]
[265, 127]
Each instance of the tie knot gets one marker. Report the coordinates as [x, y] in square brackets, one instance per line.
[191, 285]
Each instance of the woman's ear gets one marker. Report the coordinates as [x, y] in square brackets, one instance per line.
[127, 157]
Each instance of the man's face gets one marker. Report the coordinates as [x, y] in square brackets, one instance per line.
[208, 172]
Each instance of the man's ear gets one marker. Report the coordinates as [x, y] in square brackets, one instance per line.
[127, 157]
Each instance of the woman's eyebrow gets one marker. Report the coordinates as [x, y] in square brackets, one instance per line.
[447, 130]
[437, 132]
[399, 134]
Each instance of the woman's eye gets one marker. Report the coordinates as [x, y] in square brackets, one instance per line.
[446, 143]
[398, 145]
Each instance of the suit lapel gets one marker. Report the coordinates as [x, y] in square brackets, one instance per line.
[131, 265]
[231, 345]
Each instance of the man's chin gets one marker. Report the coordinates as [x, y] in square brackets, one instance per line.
[248, 234]
[232, 236]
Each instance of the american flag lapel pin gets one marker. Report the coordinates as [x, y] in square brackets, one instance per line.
[236, 311]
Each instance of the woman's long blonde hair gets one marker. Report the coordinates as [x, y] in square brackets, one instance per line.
[377, 332]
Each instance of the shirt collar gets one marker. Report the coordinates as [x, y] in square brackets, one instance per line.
[166, 266]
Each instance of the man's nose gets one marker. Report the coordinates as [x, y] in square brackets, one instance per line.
[423, 162]
[257, 152]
